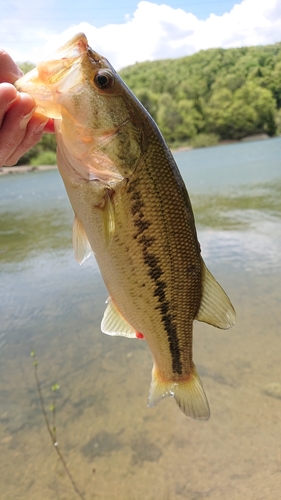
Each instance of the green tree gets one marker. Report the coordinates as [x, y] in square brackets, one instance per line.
[26, 66]
[168, 117]
[46, 144]
[192, 121]
[249, 110]
[149, 100]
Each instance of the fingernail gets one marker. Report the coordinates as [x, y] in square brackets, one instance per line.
[40, 127]
[25, 119]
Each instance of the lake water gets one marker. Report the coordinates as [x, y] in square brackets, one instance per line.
[117, 448]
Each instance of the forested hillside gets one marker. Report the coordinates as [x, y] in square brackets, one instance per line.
[230, 93]
[214, 95]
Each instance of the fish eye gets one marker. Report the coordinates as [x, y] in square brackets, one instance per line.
[104, 80]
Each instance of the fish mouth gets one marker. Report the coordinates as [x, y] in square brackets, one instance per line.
[58, 73]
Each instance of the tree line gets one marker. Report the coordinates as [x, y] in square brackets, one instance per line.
[220, 93]
[199, 100]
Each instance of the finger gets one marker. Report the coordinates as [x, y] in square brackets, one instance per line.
[14, 123]
[49, 127]
[10, 72]
[49, 123]
[33, 134]
[8, 95]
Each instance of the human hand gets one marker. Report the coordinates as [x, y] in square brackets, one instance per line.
[20, 128]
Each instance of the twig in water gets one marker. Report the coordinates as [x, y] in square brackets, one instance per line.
[52, 429]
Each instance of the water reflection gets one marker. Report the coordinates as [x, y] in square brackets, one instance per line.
[27, 235]
[242, 228]
[245, 208]
[35, 216]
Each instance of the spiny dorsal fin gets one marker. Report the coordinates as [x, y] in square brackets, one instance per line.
[114, 324]
[215, 308]
[108, 220]
[81, 245]
[189, 394]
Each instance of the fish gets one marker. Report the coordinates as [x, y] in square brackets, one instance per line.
[132, 210]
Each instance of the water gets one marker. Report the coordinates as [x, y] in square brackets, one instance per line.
[117, 448]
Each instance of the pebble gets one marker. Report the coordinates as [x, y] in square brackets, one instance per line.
[273, 389]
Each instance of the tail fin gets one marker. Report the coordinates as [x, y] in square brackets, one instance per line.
[189, 394]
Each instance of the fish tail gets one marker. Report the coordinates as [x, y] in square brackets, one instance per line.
[189, 394]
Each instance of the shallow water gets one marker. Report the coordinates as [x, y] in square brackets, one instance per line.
[116, 447]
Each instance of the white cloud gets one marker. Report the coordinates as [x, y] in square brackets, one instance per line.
[159, 31]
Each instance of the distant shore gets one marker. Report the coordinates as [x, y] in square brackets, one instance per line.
[225, 142]
[31, 168]
[25, 168]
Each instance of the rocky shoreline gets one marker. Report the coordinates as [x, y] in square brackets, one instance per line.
[25, 168]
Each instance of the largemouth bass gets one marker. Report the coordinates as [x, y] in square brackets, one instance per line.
[132, 210]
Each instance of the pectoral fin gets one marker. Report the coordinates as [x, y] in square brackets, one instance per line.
[81, 245]
[114, 324]
[108, 220]
[215, 308]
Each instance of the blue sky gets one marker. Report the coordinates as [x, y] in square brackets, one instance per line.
[130, 31]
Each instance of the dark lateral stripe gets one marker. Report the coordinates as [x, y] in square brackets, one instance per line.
[155, 272]
[171, 330]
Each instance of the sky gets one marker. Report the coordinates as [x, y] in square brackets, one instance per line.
[133, 31]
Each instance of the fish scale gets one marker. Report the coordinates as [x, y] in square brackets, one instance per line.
[133, 211]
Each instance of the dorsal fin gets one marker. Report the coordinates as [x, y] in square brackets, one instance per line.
[114, 324]
[81, 245]
[215, 308]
